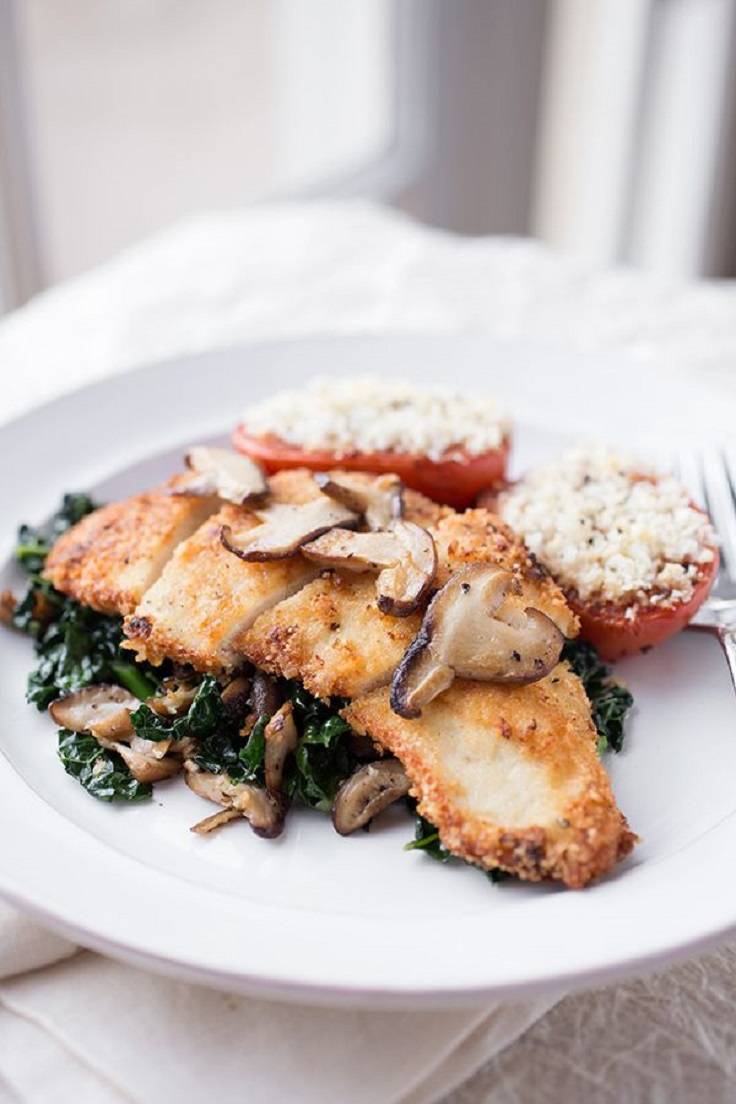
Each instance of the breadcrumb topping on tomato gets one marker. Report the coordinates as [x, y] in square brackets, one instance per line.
[612, 529]
[367, 414]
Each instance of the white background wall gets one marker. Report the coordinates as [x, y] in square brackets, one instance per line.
[605, 127]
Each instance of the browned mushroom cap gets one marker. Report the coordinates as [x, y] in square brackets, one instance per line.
[265, 811]
[147, 768]
[102, 710]
[367, 793]
[380, 501]
[405, 555]
[285, 528]
[235, 697]
[265, 696]
[281, 738]
[476, 627]
[225, 473]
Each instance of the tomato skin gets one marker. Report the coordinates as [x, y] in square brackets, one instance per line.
[614, 635]
[455, 480]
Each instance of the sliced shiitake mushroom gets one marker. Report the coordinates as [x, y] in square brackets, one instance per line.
[367, 792]
[102, 710]
[146, 768]
[265, 696]
[176, 697]
[281, 738]
[264, 810]
[285, 528]
[152, 749]
[235, 697]
[210, 823]
[405, 555]
[380, 500]
[475, 627]
[225, 473]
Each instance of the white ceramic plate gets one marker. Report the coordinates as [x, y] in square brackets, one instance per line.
[312, 916]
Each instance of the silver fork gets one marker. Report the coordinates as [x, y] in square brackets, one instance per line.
[710, 477]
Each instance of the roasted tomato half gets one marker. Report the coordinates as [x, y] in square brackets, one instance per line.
[615, 634]
[455, 479]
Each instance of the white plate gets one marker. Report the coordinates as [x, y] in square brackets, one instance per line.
[312, 916]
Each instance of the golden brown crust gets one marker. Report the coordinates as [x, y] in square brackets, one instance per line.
[333, 636]
[509, 775]
[206, 598]
[112, 556]
[478, 536]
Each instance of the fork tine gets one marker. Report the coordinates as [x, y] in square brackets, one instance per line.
[689, 470]
[719, 493]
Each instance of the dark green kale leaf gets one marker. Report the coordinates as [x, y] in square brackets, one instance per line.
[206, 716]
[609, 700]
[77, 649]
[252, 753]
[102, 773]
[220, 748]
[427, 839]
[75, 645]
[323, 759]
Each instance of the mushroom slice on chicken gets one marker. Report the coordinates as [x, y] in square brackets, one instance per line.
[225, 473]
[475, 627]
[405, 556]
[102, 710]
[380, 501]
[285, 528]
[367, 792]
[264, 811]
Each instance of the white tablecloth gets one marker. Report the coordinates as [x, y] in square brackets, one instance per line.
[85, 1028]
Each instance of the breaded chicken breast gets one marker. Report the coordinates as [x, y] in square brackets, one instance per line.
[206, 597]
[334, 638]
[331, 634]
[478, 536]
[113, 555]
[509, 775]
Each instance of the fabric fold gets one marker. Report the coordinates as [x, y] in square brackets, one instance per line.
[92, 1020]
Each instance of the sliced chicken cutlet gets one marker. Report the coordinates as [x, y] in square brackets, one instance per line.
[478, 536]
[206, 597]
[509, 775]
[113, 555]
[332, 635]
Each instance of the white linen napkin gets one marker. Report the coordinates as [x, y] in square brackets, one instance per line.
[77, 1026]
